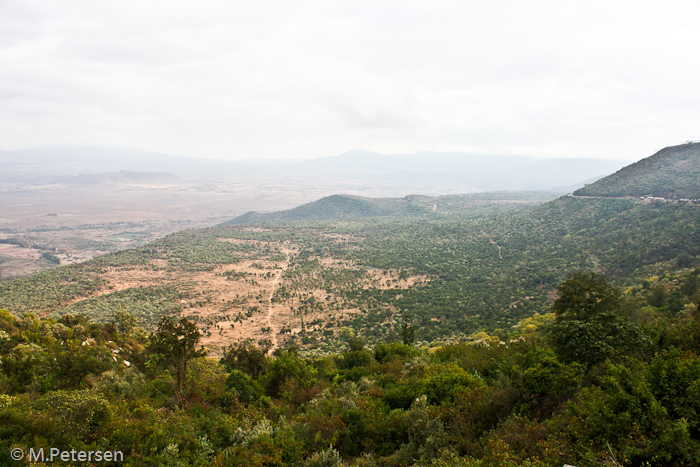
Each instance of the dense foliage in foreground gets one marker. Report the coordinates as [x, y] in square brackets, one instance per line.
[607, 378]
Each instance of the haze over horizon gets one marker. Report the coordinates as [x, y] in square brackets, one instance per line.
[308, 79]
[351, 153]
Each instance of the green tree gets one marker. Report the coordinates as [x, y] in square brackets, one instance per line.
[175, 344]
[24, 366]
[247, 389]
[124, 321]
[583, 296]
[385, 352]
[586, 328]
[287, 368]
[246, 358]
[408, 333]
[73, 362]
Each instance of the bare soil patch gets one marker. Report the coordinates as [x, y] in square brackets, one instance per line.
[237, 302]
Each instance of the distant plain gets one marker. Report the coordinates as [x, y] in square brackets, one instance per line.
[62, 204]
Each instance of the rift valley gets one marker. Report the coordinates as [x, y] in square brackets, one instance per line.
[498, 328]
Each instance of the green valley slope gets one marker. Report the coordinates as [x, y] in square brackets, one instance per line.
[343, 207]
[299, 283]
[673, 172]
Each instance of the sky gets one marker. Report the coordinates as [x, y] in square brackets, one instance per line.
[309, 78]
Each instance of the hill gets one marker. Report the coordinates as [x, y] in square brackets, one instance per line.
[673, 172]
[333, 207]
[340, 207]
[301, 283]
[454, 265]
[437, 173]
[357, 172]
[434, 340]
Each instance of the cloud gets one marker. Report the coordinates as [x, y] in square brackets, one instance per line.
[308, 78]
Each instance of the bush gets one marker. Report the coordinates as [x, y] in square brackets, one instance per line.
[385, 352]
[326, 458]
[247, 389]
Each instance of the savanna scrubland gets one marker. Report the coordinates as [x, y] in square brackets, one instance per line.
[566, 332]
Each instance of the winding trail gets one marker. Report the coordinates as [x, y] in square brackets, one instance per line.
[491, 240]
[270, 307]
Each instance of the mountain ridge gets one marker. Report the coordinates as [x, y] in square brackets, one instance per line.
[359, 171]
[673, 172]
[345, 206]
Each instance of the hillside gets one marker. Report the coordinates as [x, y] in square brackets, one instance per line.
[333, 207]
[673, 172]
[522, 396]
[454, 265]
[340, 207]
[301, 283]
[470, 334]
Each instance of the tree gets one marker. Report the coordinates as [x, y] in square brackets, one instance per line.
[355, 343]
[586, 328]
[244, 385]
[288, 367]
[124, 321]
[583, 296]
[73, 362]
[408, 333]
[24, 366]
[245, 357]
[175, 344]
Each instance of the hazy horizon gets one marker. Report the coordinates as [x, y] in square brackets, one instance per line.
[300, 159]
[303, 79]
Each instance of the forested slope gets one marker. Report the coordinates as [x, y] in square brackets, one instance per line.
[625, 393]
[300, 283]
[567, 333]
[342, 207]
[673, 172]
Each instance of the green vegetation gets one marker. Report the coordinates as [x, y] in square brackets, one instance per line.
[567, 333]
[673, 172]
[519, 399]
[490, 273]
[150, 304]
[49, 290]
[587, 329]
[338, 207]
[127, 236]
[174, 345]
[470, 274]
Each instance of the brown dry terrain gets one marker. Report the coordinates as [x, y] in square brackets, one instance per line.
[74, 224]
[269, 296]
[51, 225]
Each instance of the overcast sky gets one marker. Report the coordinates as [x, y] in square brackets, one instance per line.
[304, 78]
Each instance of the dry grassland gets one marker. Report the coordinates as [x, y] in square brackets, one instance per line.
[236, 302]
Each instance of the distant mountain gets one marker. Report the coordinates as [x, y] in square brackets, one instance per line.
[43, 164]
[341, 207]
[427, 172]
[124, 177]
[357, 172]
[673, 172]
[334, 207]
